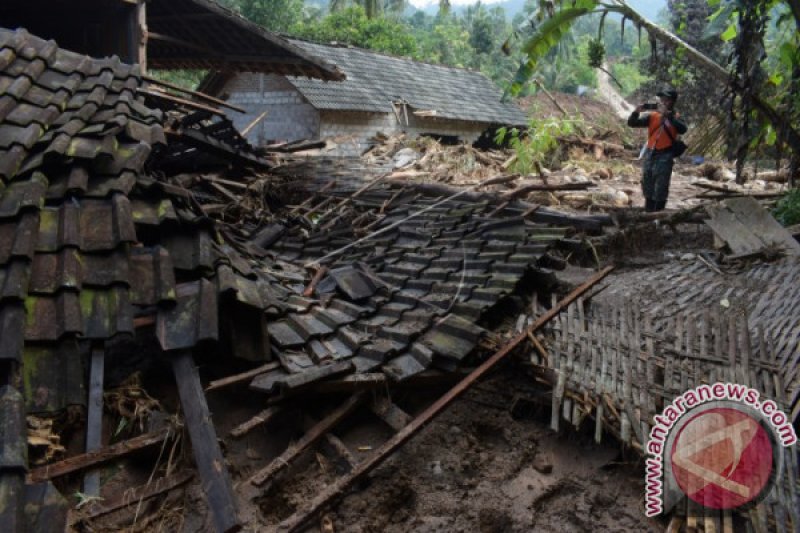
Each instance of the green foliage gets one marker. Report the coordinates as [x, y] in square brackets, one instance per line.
[545, 36]
[480, 36]
[188, 79]
[275, 15]
[372, 8]
[629, 76]
[539, 144]
[352, 26]
[787, 210]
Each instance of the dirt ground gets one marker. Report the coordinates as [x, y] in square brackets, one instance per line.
[489, 464]
[481, 468]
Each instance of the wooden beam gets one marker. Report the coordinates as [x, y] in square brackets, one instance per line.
[180, 42]
[136, 495]
[141, 29]
[207, 454]
[97, 457]
[387, 411]
[197, 94]
[94, 417]
[242, 377]
[298, 520]
[158, 95]
[259, 420]
[253, 123]
[342, 453]
[312, 435]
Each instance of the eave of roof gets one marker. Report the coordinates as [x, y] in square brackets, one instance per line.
[202, 34]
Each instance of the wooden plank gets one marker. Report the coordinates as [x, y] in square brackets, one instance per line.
[387, 411]
[312, 435]
[731, 230]
[242, 377]
[158, 95]
[137, 495]
[258, 420]
[298, 520]
[197, 94]
[94, 417]
[141, 35]
[761, 224]
[207, 454]
[97, 457]
[344, 457]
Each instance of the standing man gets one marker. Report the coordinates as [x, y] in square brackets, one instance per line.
[663, 127]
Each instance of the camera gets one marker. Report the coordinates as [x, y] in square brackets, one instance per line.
[649, 106]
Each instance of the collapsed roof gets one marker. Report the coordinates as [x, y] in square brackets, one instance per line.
[98, 245]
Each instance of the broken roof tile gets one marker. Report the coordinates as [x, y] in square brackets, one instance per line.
[354, 282]
[192, 320]
[57, 370]
[106, 312]
[23, 194]
[12, 324]
[284, 335]
[190, 249]
[48, 318]
[18, 237]
[152, 278]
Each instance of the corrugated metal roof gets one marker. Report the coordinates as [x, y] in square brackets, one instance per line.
[375, 80]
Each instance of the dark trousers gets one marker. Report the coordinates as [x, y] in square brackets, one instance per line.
[656, 174]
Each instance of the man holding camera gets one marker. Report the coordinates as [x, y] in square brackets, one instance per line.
[663, 126]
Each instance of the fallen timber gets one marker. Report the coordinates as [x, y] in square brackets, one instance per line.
[297, 521]
[99, 456]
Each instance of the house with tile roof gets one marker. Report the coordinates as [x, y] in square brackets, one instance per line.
[381, 93]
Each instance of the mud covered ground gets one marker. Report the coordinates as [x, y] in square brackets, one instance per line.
[490, 463]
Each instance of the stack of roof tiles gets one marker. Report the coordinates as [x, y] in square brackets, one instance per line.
[87, 241]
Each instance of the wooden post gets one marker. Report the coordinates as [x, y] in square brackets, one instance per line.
[13, 455]
[207, 454]
[94, 417]
[141, 26]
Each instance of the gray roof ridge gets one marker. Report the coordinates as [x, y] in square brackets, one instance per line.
[336, 44]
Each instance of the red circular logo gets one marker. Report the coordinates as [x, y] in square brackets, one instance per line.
[722, 458]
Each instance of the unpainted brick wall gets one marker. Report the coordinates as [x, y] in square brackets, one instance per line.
[289, 116]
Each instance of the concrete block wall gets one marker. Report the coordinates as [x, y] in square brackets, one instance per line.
[353, 129]
[289, 116]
